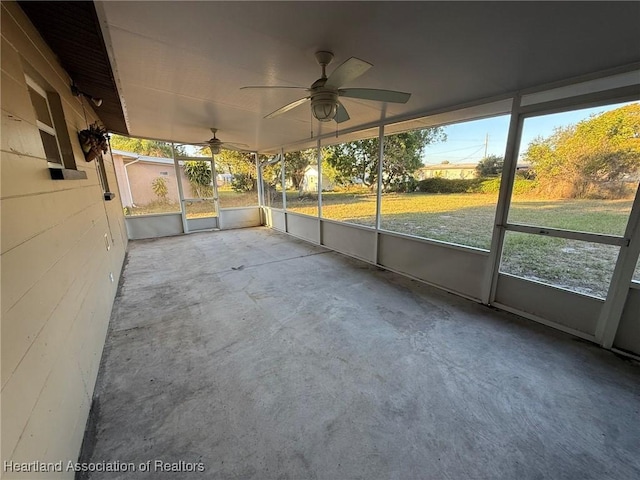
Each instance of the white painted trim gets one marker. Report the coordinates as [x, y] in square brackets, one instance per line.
[613, 309]
[583, 88]
[624, 353]
[319, 162]
[259, 180]
[609, 72]
[231, 209]
[176, 167]
[214, 183]
[50, 130]
[490, 283]
[438, 243]
[46, 128]
[607, 97]
[283, 181]
[148, 215]
[203, 199]
[340, 222]
[568, 234]
[33, 84]
[376, 245]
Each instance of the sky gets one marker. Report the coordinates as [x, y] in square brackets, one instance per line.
[466, 141]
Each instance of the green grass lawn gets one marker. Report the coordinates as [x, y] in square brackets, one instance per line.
[467, 219]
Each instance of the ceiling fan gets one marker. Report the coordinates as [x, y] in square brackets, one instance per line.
[325, 91]
[216, 145]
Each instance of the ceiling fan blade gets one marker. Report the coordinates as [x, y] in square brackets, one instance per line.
[375, 94]
[288, 107]
[347, 71]
[342, 115]
[235, 148]
[271, 86]
[238, 147]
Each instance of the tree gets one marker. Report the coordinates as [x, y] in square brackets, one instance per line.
[234, 162]
[590, 159]
[271, 172]
[142, 146]
[198, 173]
[242, 166]
[295, 164]
[358, 160]
[490, 166]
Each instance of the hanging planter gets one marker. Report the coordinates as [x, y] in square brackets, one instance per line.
[93, 141]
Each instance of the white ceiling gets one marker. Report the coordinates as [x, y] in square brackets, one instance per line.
[179, 65]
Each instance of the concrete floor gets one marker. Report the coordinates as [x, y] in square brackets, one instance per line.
[265, 357]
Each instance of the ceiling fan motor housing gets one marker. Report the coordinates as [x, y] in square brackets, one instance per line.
[215, 145]
[324, 105]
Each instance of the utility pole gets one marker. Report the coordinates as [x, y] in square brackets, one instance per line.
[486, 145]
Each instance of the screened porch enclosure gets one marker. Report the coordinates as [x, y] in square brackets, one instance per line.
[570, 262]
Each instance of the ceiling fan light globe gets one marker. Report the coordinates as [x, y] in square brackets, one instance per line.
[324, 106]
[324, 111]
[215, 149]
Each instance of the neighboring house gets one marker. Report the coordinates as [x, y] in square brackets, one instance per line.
[453, 171]
[447, 170]
[310, 180]
[224, 178]
[136, 174]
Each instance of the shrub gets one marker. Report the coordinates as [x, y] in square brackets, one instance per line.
[490, 186]
[445, 185]
[404, 186]
[243, 182]
[521, 185]
[159, 186]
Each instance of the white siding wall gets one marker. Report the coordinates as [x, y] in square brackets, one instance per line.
[56, 288]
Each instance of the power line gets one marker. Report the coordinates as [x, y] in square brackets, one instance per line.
[458, 149]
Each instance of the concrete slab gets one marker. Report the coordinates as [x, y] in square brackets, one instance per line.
[265, 357]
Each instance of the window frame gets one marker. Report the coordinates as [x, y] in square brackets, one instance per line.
[51, 130]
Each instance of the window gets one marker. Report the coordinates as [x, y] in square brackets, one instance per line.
[441, 182]
[272, 181]
[301, 174]
[53, 132]
[200, 194]
[45, 124]
[565, 229]
[236, 179]
[350, 180]
[584, 167]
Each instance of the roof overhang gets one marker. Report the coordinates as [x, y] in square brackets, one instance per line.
[72, 30]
